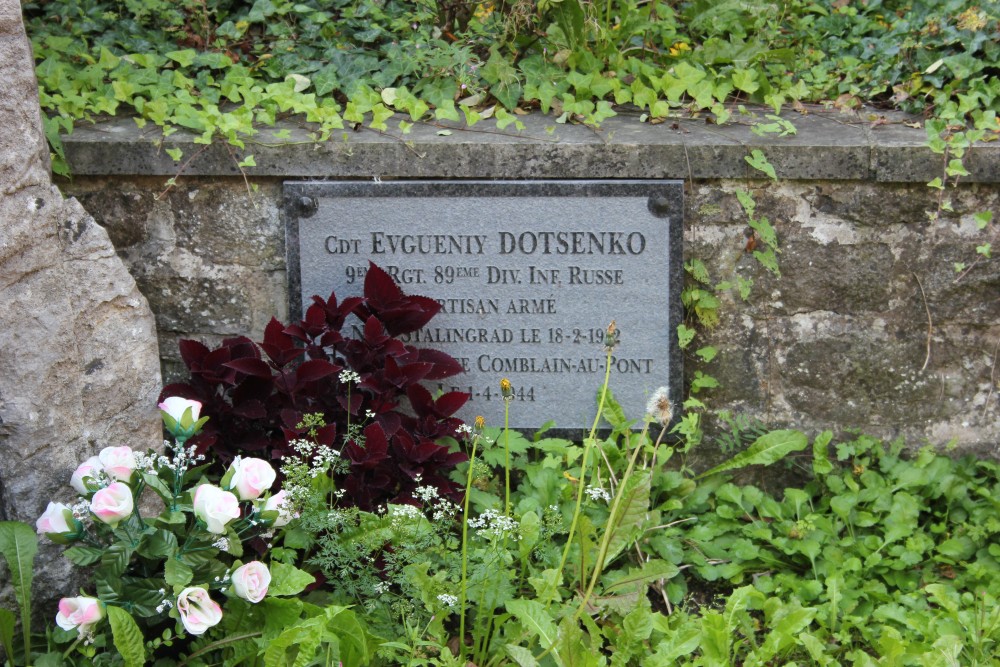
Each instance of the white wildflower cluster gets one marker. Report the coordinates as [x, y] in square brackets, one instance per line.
[444, 510]
[493, 525]
[426, 494]
[597, 493]
[404, 515]
[318, 458]
[369, 414]
[464, 429]
[448, 600]
[349, 376]
[381, 588]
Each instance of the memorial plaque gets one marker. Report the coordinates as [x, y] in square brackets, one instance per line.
[528, 273]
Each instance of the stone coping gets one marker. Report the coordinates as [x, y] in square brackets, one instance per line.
[829, 145]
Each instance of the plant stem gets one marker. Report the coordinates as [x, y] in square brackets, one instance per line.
[465, 552]
[506, 449]
[587, 444]
[609, 530]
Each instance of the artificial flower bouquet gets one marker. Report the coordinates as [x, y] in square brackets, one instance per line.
[199, 558]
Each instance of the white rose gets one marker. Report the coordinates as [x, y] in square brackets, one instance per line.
[279, 502]
[91, 468]
[251, 477]
[215, 507]
[118, 462]
[81, 613]
[175, 406]
[197, 610]
[54, 520]
[112, 503]
[250, 581]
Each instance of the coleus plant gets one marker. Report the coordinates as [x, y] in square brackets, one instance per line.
[366, 387]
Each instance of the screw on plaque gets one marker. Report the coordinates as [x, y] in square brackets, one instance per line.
[659, 206]
[307, 206]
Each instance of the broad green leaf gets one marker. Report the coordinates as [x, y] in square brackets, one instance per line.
[7, 622]
[765, 450]
[534, 617]
[630, 516]
[677, 643]
[522, 656]
[18, 545]
[652, 570]
[746, 80]
[128, 638]
[288, 580]
[821, 459]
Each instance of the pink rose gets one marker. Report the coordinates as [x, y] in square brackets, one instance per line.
[91, 468]
[279, 502]
[215, 507]
[55, 520]
[112, 503]
[118, 462]
[175, 406]
[250, 581]
[81, 613]
[198, 611]
[250, 477]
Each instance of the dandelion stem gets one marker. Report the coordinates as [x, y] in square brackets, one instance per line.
[465, 551]
[587, 444]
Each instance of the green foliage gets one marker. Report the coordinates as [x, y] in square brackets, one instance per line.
[223, 68]
[18, 546]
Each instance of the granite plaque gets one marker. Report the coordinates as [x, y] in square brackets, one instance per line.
[528, 273]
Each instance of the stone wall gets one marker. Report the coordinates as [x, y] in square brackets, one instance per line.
[866, 328]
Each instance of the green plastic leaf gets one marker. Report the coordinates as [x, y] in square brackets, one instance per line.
[83, 556]
[288, 580]
[765, 450]
[128, 638]
[176, 573]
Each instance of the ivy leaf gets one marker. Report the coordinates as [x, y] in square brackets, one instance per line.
[983, 219]
[707, 353]
[758, 161]
[183, 58]
[127, 636]
[684, 336]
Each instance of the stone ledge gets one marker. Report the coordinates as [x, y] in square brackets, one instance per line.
[828, 146]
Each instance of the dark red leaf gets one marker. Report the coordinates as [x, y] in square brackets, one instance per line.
[255, 367]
